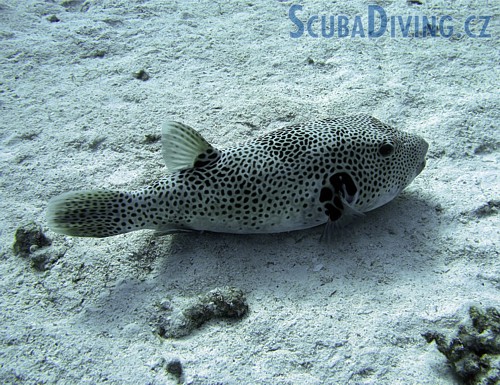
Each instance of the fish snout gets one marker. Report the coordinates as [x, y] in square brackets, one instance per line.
[421, 166]
[424, 146]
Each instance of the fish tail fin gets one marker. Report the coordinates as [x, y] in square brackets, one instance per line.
[95, 213]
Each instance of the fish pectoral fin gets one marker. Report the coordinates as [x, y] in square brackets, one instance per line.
[183, 147]
[350, 213]
[335, 221]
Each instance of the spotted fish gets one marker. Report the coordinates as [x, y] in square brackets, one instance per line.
[321, 172]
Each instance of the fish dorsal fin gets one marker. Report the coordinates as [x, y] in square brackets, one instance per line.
[183, 147]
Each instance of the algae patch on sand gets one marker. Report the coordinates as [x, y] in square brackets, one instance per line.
[474, 353]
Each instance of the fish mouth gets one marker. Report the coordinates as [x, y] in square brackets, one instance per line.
[421, 167]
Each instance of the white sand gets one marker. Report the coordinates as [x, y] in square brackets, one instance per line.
[352, 313]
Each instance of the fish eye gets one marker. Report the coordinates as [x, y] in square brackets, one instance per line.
[386, 149]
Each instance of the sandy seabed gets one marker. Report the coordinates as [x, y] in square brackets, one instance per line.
[74, 117]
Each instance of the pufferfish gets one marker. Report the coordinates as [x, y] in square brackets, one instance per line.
[300, 176]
